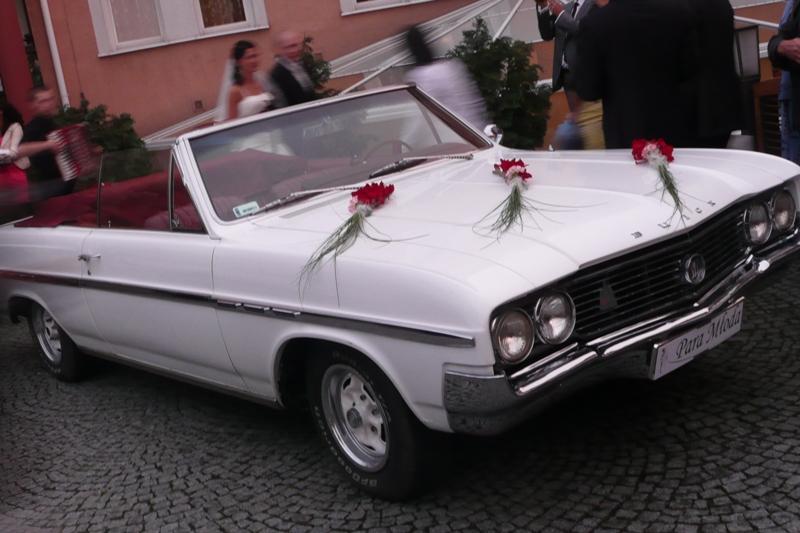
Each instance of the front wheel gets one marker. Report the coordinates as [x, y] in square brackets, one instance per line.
[367, 425]
[57, 352]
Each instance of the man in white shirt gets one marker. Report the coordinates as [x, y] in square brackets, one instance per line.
[561, 22]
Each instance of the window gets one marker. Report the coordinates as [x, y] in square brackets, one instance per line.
[135, 194]
[134, 20]
[221, 12]
[185, 217]
[127, 25]
[350, 7]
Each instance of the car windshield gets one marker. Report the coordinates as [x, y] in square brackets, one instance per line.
[338, 143]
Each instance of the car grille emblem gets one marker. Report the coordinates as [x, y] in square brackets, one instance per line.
[694, 269]
[607, 299]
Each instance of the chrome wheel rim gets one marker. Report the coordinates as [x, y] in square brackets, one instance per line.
[48, 336]
[355, 417]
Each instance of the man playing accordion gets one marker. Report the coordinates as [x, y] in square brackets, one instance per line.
[51, 151]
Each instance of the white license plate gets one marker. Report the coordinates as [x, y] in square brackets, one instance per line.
[674, 353]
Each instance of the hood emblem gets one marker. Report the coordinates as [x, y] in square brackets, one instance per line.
[694, 269]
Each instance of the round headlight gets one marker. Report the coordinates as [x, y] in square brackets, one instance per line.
[555, 318]
[513, 335]
[757, 223]
[784, 210]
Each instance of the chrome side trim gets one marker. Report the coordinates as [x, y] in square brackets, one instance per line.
[40, 278]
[425, 336]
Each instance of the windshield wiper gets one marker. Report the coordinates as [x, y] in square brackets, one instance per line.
[387, 169]
[407, 162]
[297, 195]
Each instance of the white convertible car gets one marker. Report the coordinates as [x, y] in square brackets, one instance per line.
[194, 263]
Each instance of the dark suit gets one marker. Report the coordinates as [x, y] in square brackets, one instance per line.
[789, 29]
[292, 91]
[564, 31]
[714, 100]
[635, 55]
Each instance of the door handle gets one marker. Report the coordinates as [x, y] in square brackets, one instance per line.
[88, 257]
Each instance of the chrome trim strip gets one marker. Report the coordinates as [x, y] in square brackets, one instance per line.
[566, 368]
[543, 362]
[47, 279]
[426, 336]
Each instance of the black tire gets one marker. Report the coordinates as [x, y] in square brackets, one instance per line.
[401, 471]
[58, 353]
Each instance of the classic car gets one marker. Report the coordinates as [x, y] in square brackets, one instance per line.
[197, 262]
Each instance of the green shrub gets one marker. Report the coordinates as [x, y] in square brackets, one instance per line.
[114, 134]
[508, 82]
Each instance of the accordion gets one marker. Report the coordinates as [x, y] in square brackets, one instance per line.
[75, 156]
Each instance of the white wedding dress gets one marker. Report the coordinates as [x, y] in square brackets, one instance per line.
[249, 105]
[254, 104]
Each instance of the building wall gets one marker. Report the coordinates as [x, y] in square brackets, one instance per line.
[161, 86]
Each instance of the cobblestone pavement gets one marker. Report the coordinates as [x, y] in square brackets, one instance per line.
[712, 447]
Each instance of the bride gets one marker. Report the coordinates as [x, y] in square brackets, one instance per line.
[243, 91]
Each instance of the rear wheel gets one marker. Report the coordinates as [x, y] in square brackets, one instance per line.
[57, 352]
[367, 425]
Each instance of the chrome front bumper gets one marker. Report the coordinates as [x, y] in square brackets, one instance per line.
[486, 405]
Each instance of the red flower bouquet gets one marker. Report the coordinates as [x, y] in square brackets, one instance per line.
[658, 153]
[363, 201]
[511, 210]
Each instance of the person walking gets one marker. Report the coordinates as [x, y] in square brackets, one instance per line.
[243, 91]
[634, 55]
[784, 53]
[289, 77]
[714, 98]
[446, 80]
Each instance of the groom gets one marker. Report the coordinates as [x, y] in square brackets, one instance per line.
[289, 76]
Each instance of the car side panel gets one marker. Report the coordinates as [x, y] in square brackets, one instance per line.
[42, 265]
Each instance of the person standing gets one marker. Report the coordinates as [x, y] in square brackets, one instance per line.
[289, 77]
[634, 55]
[714, 99]
[561, 23]
[784, 53]
[44, 177]
[13, 182]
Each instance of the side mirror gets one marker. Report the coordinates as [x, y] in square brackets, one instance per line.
[494, 133]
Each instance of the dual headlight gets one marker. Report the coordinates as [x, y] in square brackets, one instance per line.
[762, 218]
[515, 330]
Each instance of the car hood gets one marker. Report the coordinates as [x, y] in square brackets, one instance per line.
[584, 207]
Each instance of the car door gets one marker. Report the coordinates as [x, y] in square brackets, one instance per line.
[148, 279]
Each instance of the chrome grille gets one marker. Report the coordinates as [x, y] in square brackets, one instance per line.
[649, 282]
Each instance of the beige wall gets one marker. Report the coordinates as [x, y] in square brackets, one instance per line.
[159, 86]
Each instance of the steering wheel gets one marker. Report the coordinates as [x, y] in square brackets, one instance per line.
[396, 144]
